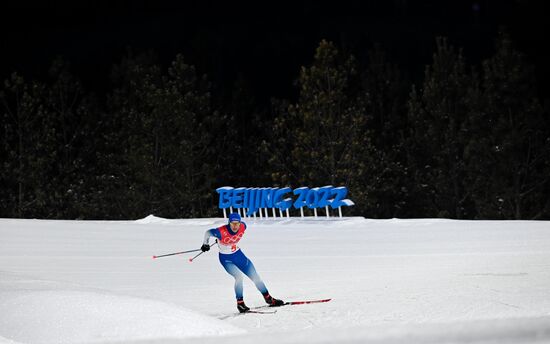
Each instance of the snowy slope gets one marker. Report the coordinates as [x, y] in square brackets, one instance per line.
[423, 280]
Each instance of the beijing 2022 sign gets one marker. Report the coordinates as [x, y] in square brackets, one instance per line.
[282, 198]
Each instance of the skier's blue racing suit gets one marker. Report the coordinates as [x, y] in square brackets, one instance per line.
[233, 259]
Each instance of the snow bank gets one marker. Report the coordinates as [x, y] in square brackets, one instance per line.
[155, 220]
[151, 219]
[532, 330]
[7, 341]
[66, 316]
[391, 281]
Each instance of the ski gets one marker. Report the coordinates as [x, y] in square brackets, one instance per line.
[306, 302]
[293, 303]
[260, 309]
[259, 312]
[250, 311]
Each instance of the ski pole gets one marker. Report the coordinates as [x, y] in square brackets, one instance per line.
[173, 254]
[191, 259]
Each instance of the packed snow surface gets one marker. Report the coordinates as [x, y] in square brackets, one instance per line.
[391, 281]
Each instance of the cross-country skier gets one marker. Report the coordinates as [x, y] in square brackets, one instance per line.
[235, 262]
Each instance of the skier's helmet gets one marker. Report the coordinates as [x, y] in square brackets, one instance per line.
[234, 217]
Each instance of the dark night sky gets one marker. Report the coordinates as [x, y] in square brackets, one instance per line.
[264, 42]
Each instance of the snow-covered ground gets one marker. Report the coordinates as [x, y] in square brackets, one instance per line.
[391, 281]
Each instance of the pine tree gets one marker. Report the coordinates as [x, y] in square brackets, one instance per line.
[510, 154]
[241, 129]
[73, 122]
[320, 140]
[48, 146]
[164, 138]
[437, 115]
[23, 154]
[385, 94]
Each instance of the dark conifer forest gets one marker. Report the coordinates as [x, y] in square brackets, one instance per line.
[419, 108]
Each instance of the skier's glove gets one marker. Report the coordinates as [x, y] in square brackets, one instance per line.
[205, 247]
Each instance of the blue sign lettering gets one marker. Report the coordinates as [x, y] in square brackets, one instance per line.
[256, 198]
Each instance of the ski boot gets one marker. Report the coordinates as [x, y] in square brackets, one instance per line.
[271, 301]
[242, 307]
